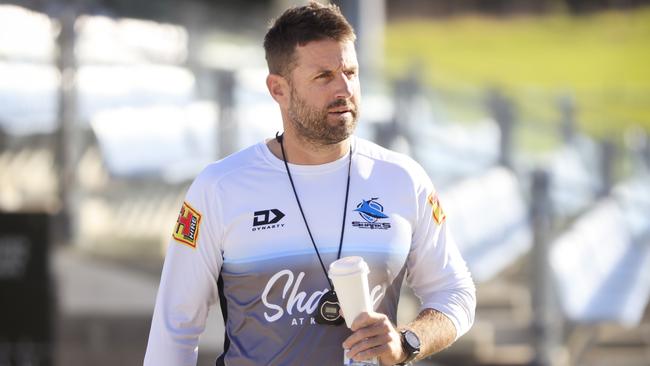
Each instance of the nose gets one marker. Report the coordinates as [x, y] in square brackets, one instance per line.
[344, 86]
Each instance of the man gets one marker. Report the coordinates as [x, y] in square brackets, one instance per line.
[259, 228]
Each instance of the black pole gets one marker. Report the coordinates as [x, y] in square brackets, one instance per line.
[646, 152]
[66, 144]
[228, 134]
[566, 104]
[607, 156]
[502, 110]
[544, 326]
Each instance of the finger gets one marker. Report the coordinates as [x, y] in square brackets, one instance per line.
[373, 343]
[376, 329]
[371, 353]
[365, 319]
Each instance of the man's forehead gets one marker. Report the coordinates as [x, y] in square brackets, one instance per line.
[326, 54]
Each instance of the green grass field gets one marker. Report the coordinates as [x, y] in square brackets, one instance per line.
[603, 60]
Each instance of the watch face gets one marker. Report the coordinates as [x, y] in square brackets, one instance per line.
[412, 339]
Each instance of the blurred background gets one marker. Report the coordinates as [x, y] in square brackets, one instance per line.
[531, 117]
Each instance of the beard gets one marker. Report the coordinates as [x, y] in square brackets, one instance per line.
[315, 126]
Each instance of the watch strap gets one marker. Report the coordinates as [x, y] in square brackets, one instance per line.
[410, 351]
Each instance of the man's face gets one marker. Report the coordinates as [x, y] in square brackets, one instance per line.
[324, 96]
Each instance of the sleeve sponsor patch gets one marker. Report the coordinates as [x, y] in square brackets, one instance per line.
[438, 214]
[187, 226]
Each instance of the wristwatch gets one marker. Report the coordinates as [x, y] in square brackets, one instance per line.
[410, 345]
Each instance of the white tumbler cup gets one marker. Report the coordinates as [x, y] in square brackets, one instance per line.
[349, 276]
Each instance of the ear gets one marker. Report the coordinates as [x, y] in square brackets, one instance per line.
[278, 88]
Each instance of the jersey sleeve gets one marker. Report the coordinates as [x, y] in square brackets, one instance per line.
[188, 284]
[436, 271]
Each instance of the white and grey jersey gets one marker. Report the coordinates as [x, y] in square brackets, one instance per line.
[241, 240]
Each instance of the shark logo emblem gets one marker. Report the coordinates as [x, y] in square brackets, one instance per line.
[371, 211]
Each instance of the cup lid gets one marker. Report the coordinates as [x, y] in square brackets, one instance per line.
[348, 265]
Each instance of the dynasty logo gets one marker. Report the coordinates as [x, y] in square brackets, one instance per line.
[371, 212]
[267, 219]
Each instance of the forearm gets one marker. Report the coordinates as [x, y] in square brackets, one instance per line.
[435, 330]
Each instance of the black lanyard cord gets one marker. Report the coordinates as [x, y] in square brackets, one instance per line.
[295, 193]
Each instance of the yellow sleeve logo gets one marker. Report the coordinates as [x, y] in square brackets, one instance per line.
[186, 230]
[438, 214]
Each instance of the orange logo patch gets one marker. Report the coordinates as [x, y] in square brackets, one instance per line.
[438, 214]
[187, 226]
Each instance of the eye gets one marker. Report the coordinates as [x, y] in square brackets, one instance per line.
[350, 73]
[324, 75]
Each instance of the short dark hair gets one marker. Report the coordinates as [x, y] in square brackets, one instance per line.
[299, 26]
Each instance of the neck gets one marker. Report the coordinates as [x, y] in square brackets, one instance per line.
[302, 152]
